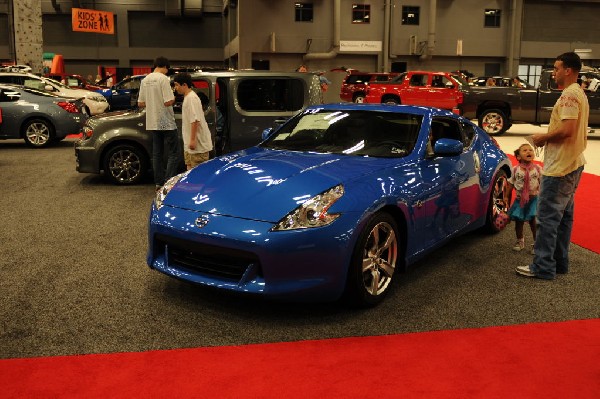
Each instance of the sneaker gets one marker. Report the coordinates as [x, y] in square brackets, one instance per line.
[532, 251]
[524, 271]
[519, 245]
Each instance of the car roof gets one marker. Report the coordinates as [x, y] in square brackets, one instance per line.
[411, 109]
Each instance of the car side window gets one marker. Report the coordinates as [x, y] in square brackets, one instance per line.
[34, 83]
[445, 129]
[7, 95]
[469, 132]
[271, 94]
[418, 80]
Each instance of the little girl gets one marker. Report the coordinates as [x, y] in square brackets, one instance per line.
[525, 179]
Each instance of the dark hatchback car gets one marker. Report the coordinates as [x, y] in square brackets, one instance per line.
[38, 117]
[238, 106]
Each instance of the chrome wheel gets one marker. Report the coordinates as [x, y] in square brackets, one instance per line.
[374, 261]
[359, 99]
[38, 133]
[497, 203]
[494, 122]
[379, 258]
[125, 165]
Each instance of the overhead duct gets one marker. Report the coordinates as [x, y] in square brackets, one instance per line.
[336, 37]
[431, 31]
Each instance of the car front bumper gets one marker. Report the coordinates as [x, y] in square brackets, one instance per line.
[245, 256]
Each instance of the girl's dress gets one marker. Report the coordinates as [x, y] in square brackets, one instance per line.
[526, 181]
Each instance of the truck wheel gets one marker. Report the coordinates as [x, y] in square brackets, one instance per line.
[391, 100]
[359, 98]
[494, 122]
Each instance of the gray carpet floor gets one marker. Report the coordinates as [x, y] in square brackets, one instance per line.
[73, 278]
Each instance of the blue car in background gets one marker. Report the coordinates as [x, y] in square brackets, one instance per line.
[124, 94]
[336, 201]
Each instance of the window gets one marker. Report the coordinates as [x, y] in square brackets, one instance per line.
[8, 95]
[304, 12]
[361, 13]
[492, 18]
[418, 80]
[271, 94]
[410, 15]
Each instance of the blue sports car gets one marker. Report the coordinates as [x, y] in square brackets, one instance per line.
[336, 201]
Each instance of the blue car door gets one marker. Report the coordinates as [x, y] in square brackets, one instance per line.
[450, 187]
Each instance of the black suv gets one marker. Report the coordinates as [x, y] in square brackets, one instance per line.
[248, 102]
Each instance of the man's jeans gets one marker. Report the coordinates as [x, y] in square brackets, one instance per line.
[160, 140]
[555, 222]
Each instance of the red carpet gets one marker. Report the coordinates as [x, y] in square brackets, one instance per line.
[547, 360]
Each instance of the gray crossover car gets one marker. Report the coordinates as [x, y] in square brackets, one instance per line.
[238, 106]
[37, 116]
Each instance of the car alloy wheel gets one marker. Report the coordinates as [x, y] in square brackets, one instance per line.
[38, 133]
[496, 203]
[125, 164]
[494, 122]
[374, 261]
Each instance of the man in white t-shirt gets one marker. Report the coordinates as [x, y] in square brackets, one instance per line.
[157, 96]
[197, 140]
[563, 144]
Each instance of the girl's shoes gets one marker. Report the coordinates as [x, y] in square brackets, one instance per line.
[519, 245]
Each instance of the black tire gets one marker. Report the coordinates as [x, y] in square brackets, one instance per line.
[38, 133]
[496, 203]
[390, 100]
[359, 98]
[125, 164]
[494, 122]
[374, 261]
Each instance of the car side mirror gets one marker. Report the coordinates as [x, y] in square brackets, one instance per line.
[48, 88]
[266, 133]
[448, 147]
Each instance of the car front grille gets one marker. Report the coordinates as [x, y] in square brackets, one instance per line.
[208, 260]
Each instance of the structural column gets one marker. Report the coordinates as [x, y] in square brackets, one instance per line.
[27, 29]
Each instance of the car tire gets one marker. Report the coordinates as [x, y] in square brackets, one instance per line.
[496, 203]
[125, 164]
[494, 122]
[391, 101]
[359, 98]
[374, 261]
[38, 133]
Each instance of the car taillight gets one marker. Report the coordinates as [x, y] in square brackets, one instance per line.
[69, 107]
[86, 132]
[460, 97]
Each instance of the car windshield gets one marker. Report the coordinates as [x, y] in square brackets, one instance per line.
[350, 132]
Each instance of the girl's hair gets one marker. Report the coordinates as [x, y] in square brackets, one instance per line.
[518, 150]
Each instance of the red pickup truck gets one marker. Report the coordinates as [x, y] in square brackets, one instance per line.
[433, 89]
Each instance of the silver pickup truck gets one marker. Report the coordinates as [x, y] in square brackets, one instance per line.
[496, 108]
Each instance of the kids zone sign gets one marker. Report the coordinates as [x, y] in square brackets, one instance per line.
[85, 20]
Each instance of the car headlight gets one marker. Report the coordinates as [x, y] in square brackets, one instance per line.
[162, 192]
[313, 212]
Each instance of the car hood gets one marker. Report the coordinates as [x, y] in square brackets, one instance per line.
[262, 184]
